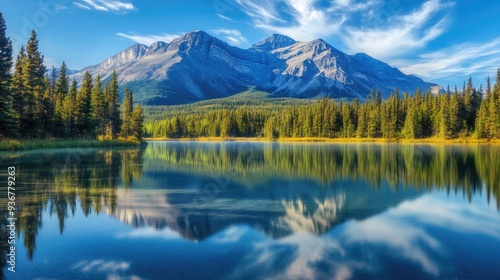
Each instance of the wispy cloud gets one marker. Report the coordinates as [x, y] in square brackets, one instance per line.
[101, 265]
[463, 59]
[383, 30]
[225, 17]
[148, 232]
[402, 34]
[149, 38]
[115, 6]
[302, 20]
[112, 270]
[233, 36]
[81, 6]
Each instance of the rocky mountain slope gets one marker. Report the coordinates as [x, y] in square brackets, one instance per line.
[197, 66]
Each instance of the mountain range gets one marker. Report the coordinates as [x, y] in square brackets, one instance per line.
[197, 66]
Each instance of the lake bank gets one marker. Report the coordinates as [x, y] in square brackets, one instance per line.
[335, 140]
[14, 145]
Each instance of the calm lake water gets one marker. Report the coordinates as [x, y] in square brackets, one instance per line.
[235, 210]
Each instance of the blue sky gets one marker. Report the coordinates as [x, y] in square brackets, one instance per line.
[441, 41]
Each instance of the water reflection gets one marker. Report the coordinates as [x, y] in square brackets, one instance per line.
[453, 167]
[292, 211]
[57, 180]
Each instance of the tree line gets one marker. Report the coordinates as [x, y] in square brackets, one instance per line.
[469, 112]
[34, 104]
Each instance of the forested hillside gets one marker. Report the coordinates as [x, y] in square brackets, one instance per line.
[469, 112]
[34, 104]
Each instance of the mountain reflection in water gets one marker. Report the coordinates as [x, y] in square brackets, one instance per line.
[295, 194]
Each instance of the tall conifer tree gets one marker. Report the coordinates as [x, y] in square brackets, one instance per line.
[7, 119]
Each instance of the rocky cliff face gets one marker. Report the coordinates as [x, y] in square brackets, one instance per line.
[197, 66]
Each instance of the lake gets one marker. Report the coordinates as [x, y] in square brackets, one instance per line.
[245, 210]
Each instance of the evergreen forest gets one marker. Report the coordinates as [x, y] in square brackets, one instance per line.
[465, 113]
[36, 105]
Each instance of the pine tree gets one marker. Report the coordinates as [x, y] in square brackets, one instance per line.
[99, 107]
[482, 122]
[113, 101]
[445, 129]
[7, 117]
[61, 86]
[374, 117]
[137, 126]
[409, 125]
[126, 129]
[70, 110]
[33, 79]
[455, 113]
[18, 91]
[362, 123]
[46, 111]
[83, 119]
[494, 109]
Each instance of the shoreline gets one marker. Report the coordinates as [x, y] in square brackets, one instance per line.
[465, 141]
[38, 144]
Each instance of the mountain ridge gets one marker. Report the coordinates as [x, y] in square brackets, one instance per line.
[197, 66]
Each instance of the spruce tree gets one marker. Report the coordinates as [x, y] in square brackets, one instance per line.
[126, 129]
[33, 79]
[83, 120]
[70, 110]
[46, 111]
[7, 117]
[99, 107]
[60, 92]
[445, 129]
[18, 90]
[137, 123]
[113, 101]
[482, 122]
[494, 109]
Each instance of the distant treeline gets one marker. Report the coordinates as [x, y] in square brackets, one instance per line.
[36, 105]
[470, 112]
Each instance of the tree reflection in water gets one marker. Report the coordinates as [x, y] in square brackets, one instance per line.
[277, 188]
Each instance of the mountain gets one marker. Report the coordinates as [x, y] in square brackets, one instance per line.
[197, 66]
[282, 210]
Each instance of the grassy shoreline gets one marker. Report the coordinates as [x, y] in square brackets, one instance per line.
[15, 145]
[335, 140]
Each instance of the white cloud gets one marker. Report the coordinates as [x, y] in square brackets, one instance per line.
[381, 29]
[231, 235]
[402, 34]
[148, 232]
[233, 36]
[404, 232]
[150, 38]
[81, 6]
[301, 20]
[101, 266]
[463, 59]
[225, 17]
[403, 237]
[114, 270]
[106, 5]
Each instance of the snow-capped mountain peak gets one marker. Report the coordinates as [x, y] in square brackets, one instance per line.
[197, 66]
[275, 41]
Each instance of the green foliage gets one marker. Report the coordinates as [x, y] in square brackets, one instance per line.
[99, 107]
[413, 117]
[128, 109]
[7, 117]
[113, 122]
[83, 118]
[137, 123]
